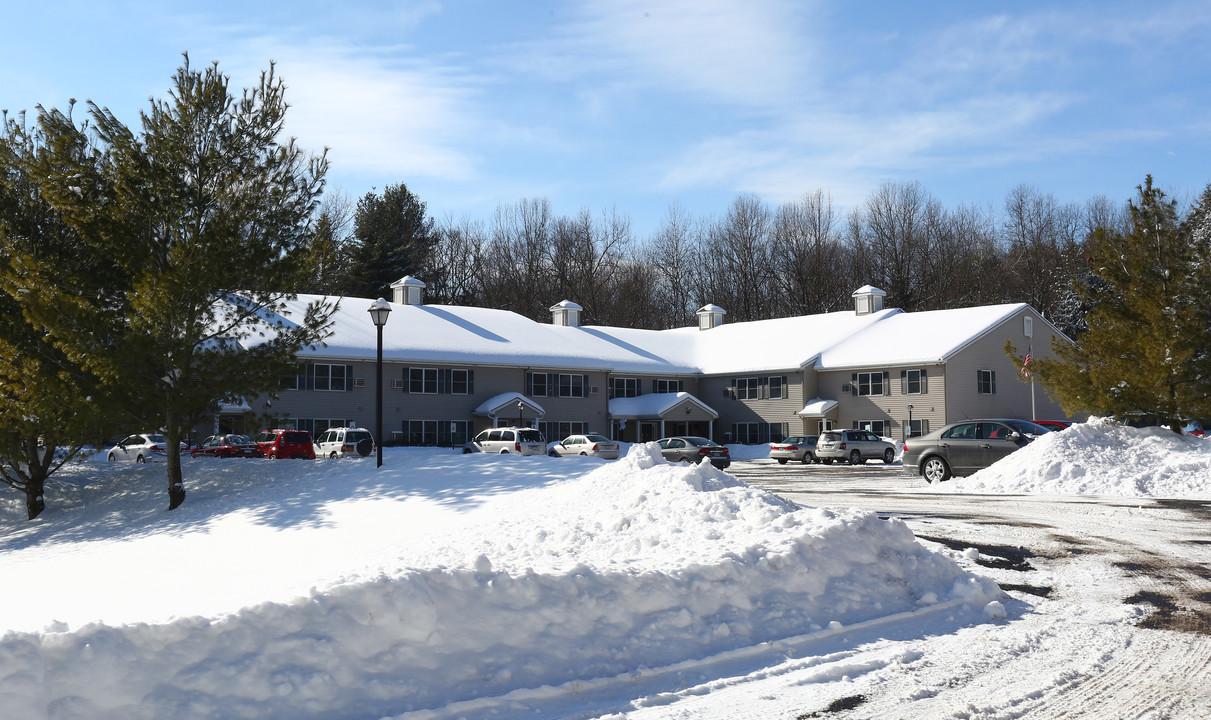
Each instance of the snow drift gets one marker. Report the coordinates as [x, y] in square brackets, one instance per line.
[632, 565]
[1100, 457]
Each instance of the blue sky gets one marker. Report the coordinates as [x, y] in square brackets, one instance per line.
[637, 105]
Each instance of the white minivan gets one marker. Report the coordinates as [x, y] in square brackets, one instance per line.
[508, 440]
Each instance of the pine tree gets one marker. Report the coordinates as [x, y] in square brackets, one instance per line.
[391, 238]
[202, 221]
[1145, 353]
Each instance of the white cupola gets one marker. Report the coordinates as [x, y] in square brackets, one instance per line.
[710, 316]
[868, 299]
[566, 313]
[408, 291]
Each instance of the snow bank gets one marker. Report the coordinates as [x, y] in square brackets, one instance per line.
[634, 564]
[1100, 457]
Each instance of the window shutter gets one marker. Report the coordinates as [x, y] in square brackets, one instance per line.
[903, 382]
[584, 386]
[993, 381]
[309, 377]
[853, 386]
[886, 383]
[763, 388]
[470, 382]
[348, 378]
[443, 381]
[407, 380]
[529, 384]
[924, 384]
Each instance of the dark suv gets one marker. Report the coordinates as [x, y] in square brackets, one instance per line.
[286, 444]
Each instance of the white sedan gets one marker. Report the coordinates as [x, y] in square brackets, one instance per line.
[590, 445]
[140, 448]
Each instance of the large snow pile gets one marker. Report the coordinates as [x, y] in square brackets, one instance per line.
[328, 589]
[1100, 457]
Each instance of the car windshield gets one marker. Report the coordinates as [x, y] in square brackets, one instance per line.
[1026, 427]
[530, 436]
[356, 436]
[239, 440]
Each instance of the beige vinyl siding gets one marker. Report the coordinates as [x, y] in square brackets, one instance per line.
[890, 407]
[720, 393]
[1012, 397]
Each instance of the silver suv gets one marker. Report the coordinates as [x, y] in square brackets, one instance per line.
[344, 442]
[508, 440]
[854, 446]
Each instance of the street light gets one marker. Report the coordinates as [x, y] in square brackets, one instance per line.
[379, 311]
[908, 431]
[520, 407]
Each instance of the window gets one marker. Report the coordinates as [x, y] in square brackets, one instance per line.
[460, 382]
[986, 382]
[878, 427]
[669, 386]
[777, 387]
[917, 428]
[330, 377]
[319, 425]
[571, 385]
[422, 381]
[439, 433]
[869, 383]
[538, 385]
[295, 380]
[747, 388]
[624, 387]
[758, 433]
[556, 431]
[912, 382]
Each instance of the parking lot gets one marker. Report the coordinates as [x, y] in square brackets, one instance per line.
[1063, 555]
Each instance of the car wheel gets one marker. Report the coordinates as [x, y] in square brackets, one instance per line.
[855, 458]
[584, 454]
[889, 456]
[807, 459]
[364, 447]
[685, 460]
[333, 455]
[113, 458]
[828, 461]
[781, 461]
[935, 470]
[273, 456]
[466, 451]
[554, 454]
[140, 459]
[504, 452]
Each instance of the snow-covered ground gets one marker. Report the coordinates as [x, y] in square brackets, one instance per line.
[447, 586]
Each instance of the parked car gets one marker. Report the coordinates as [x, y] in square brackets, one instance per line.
[508, 441]
[591, 445]
[695, 450]
[286, 444]
[231, 445]
[140, 448]
[1054, 425]
[801, 448]
[344, 442]
[854, 446]
[964, 447]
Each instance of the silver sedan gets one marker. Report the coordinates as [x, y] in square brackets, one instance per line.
[588, 445]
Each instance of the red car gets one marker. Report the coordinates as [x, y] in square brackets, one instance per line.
[1053, 425]
[286, 444]
[227, 446]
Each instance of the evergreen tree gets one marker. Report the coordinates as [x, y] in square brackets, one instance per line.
[1145, 352]
[391, 238]
[202, 221]
[50, 406]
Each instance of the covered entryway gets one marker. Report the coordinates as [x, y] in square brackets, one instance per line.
[511, 408]
[650, 417]
[818, 415]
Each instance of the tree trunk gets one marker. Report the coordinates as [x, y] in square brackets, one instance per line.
[34, 504]
[176, 481]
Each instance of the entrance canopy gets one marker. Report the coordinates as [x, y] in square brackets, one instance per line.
[662, 406]
[818, 408]
[505, 407]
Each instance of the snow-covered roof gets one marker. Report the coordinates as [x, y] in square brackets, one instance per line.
[505, 402]
[919, 338]
[489, 337]
[817, 407]
[654, 405]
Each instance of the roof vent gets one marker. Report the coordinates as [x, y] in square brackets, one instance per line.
[408, 291]
[710, 316]
[868, 299]
[566, 313]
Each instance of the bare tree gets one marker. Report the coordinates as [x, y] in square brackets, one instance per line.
[738, 263]
[673, 254]
[458, 260]
[516, 273]
[806, 256]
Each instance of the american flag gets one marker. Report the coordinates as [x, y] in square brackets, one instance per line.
[1026, 363]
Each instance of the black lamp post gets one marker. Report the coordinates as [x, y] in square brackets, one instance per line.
[908, 432]
[379, 311]
[520, 407]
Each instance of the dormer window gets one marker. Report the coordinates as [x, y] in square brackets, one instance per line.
[710, 316]
[408, 291]
[566, 313]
